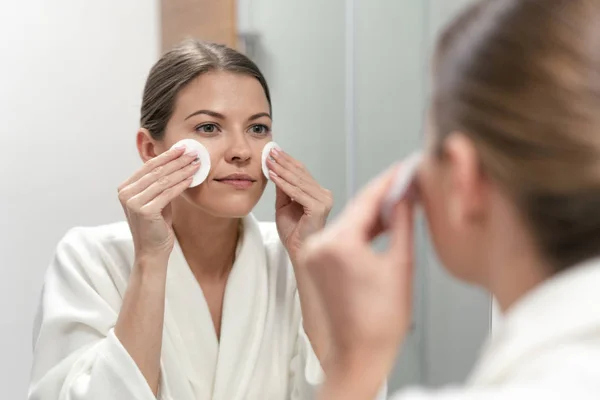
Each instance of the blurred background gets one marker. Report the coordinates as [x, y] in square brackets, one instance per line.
[349, 81]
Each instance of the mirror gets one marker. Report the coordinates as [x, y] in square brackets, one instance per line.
[349, 83]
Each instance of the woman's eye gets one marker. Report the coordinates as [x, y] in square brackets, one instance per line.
[260, 130]
[206, 128]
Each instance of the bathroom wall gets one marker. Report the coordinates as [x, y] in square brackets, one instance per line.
[70, 91]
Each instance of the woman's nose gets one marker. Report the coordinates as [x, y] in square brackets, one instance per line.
[238, 150]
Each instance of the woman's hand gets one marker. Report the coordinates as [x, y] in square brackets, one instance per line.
[302, 205]
[365, 296]
[146, 198]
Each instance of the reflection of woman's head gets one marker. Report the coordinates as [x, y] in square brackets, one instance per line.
[515, 117]
[217, 96]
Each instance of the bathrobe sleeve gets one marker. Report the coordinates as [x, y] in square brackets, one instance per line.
[76, 353]
[306, 372]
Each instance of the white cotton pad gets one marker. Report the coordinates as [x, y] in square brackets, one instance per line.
[265, 154]
[400, 186]
[203, 156]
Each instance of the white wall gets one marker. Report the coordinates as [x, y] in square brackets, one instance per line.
[72, 74]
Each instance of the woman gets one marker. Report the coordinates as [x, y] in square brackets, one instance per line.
[191, 298]
[510, 185]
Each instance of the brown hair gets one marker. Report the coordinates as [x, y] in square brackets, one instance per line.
[180, 66]
[521, 78]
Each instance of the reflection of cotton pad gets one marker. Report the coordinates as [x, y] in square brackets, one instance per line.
[203, 156]
[265, 154]
[400, 186]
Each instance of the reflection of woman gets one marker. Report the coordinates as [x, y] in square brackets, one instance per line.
[510, 185]
[201, 296]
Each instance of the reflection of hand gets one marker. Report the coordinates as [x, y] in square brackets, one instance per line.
[302, 205]
[146, 198]
[365, 296]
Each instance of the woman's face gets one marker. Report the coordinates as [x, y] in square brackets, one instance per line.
[229, 114]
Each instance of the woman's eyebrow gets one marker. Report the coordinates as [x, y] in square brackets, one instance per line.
[213, 114]
[259, 115]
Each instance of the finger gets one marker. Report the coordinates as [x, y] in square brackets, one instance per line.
[400, 254]
[294, 178]
[162, 185]
[156, 174]
[298, 175]
[286, 159]
[401, 249]
[281, 198]
[287, 162]
[293, 192]
[159, 203]
[155, 162]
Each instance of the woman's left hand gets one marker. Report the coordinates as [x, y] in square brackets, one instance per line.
[302, 205]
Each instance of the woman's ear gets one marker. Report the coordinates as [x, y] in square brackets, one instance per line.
[148, 147]
[468, 184]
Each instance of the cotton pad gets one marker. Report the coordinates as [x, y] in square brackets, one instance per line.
[265, 154]
[400, 186]
[203, 156]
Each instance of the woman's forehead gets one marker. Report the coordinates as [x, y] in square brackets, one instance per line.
[226, 93]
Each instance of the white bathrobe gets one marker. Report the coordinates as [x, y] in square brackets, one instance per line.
[263, 352]
[547, 347]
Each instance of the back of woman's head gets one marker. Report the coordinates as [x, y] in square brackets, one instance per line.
[521, 78]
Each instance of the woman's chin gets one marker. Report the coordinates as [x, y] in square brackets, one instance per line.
[230, 206]
[230, 212]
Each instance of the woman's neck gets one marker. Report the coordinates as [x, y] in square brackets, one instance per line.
[514, 277]
[515, 266]
[208, 243]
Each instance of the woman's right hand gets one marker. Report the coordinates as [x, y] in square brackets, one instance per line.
[146, 197]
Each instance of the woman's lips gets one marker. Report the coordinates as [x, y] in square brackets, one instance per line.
[237, 183]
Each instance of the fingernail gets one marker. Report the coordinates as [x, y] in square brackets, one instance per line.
[273, 174]
[274, 152]
[196, 161]
[192, 153]
[179, 147]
